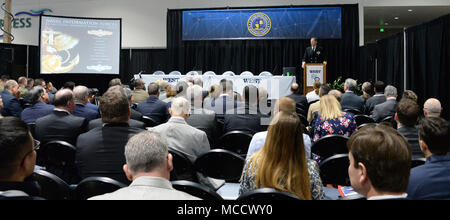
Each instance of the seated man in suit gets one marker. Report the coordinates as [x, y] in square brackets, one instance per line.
[148, 166]
[81, 94]
[349, 99]
[432, 108]
[61, 125]
[135, 115]
[10, 97]
[246, 118]
[406, 117]
[17, 158]
[153, 107]
[22, 81]
[40, 107]
[376, 99]
[386, 109]
[379, 163]
[299, 99]
[431, 180]
[100, 152]
[225, 102]
[139, 93]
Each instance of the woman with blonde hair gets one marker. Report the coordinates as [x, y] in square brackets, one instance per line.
[332, 120]
[281, 163]
[213, 93]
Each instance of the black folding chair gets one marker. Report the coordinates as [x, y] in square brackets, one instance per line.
[353, 111]
[183, 169]
[267, 194]
[220, 164]
[196, 189]
[368, 124]
[94, 186]
[52, 187]
[236, 141]
[149, 122]
[417, 161]
[363, 119]
[389, 121]
[334, 170]
[330, 145]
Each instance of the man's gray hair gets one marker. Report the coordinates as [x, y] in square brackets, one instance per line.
[433, 106]
[198, 81]
[351, 84]
[146, 151]
[80, 93]
[390, 91]
[195, 92]
[35, 94]
[10, 84]
[180, 106]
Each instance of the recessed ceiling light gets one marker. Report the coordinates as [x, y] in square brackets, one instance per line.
[410, 10]
[396, 18]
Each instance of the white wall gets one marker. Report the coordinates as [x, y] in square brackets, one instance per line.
[144, 21]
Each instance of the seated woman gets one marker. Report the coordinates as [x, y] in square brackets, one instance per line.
[281, 163]
[332, 120]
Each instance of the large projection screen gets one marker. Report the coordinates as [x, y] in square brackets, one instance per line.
[70, 45]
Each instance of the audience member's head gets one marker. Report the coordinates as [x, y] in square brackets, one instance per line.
[434, 136]
[13, 87]
[115, 82]
[336, 93]
[295, 88]
[17, 154]
[128, 94]
[153, 89]
[81, 94]
[22, 81]
[49, 86]
[38, 94]
[390, 92]
[214, 91]
[263, 94]
[181, 88]
[330, 108]
[195, 95]
[380, 160]
[251, 95]
[350, 84]
[432, 108]
[163, 85]
[367, 88]
[114, 106]
[30, 82]
[3, 79]
[171, 91]
[408, 94]
[316, 86]
[147, 154]
[324, 89]
[226, 87]
[407, 113]
[379, 87]
[64, 99]
[285, 104]
[69, 85]
[198, 81]
[139, 84]
[180, 108]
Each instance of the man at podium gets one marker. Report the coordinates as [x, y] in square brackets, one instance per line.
[314, 54]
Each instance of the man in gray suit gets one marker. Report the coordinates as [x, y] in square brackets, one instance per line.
[349, 99]
[148, 166]
[378, 98]
[387, 108]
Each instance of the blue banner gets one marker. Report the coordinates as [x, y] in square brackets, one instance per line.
[270, 23]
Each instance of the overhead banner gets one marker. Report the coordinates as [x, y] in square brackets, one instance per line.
[268, 23]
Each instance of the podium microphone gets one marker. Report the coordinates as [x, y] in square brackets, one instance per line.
[140, 74]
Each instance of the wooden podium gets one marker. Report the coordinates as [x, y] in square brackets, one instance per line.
[311, 73]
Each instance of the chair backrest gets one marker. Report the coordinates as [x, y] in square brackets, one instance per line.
[417, 161]
[330, 145]
[228, 73]
[312, 102]
[236, 141]
[177, 73]
[334, 170]
[265, 73]
[389, 121]
[366, 124]
[32, 128]
[246, 73]
[209, 73]
[149, 122]
[220, 164]
[353, 111]
[159, 72]
[192, 73]
[363, 119]
[52, 187]
[195, 189]
[183, 169]
[268, 194]
[94, 186]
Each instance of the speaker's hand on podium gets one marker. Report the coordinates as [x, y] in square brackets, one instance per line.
[303, 65]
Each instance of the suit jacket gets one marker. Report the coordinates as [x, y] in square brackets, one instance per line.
[384, 110]
[221, 106]
[316, 56]
[85, 112]
[245, 120]
[100, 152]
[300, 101]
[96, 123]
[155, 109]
[205, 120]
[89, 105]
[11, 105]
[139, 95]
[412, 135]
[60, 126]
[351, 101]
[147, 188]
[373, 101]
[135, 115]
[38, 110]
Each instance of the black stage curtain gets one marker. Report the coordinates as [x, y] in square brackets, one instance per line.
[367, 62]
[390, 61]
[263, 55]
[428, 58]
[149, 61]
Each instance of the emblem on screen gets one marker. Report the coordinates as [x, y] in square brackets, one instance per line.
[259, 24]
[56, 54]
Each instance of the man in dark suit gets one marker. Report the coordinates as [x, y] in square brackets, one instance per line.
[153, 107]
[406, 116]
[96, 123]
[299, 99]
[378, 98]
[349, 99]
[81, 94]
[100, 152]
[225, 102]
[313, 54]
[135, 115]
[386, 109]
[40, 108]
[10, 97]
[61, 125]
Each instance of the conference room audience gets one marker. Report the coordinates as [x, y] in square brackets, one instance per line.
[22, 81]
[387, 108]
[349, 99]
[332, 120]
[39, 108]
[409, 94]
[406, 116]
[376, 99]
[100, 152]
[181, 88]
[61, 125]
[135, 115]
[431, 180]
[162, 88]
[171, 93]
[30, 84]
[432, 108]
[337, 94]
[313, 108]
[379, 163]
[50, 88]
[282, 164]
[199, 82]
[3, 80]
[91, 99]
[10, 97]
[314, 95]
[367, 91]
[148, 166]
[81, 95]
[245, 118]
[225, 102]
[69, 85]
[299, 99]
[139, 93]
[17, 159]
[213, 93]
[115, 82]
[153, 107]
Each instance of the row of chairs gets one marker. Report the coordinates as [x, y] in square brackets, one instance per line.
[211, 73]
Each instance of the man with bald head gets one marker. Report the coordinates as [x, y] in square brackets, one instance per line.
[10, 97]
[61, 125]
[81, 94]
[432, 108]
[299, 99]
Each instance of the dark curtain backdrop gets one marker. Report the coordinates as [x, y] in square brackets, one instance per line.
[368, 55]
[428, 59]
[390, 68]
[262, 55]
